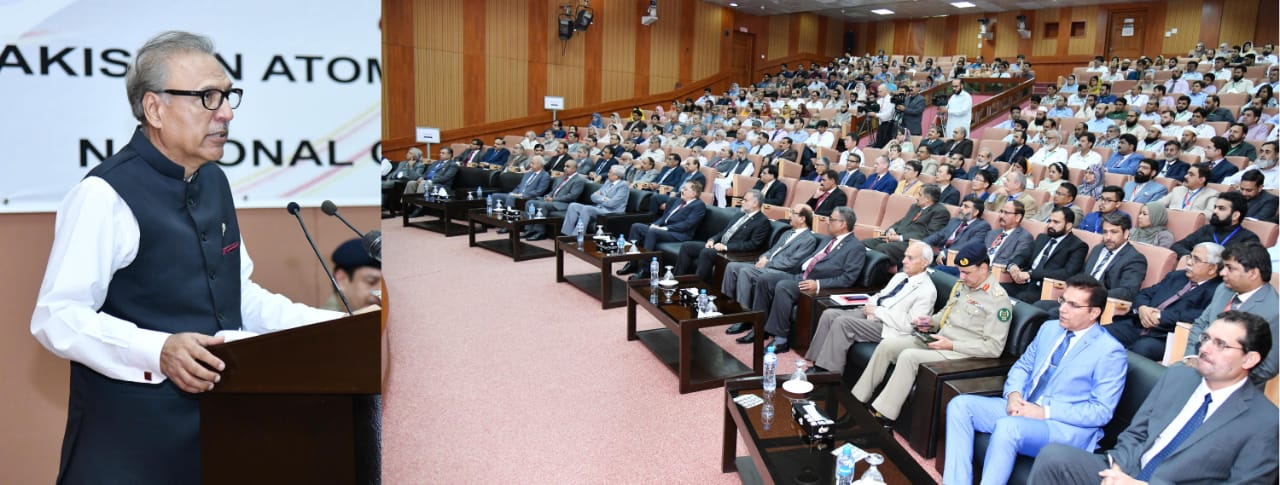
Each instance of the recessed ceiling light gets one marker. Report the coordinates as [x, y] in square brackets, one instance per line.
[882, 11]
[963, 5]
[731, 4]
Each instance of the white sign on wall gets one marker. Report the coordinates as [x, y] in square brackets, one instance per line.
[553, 102]
[308, 128]
[428, 135]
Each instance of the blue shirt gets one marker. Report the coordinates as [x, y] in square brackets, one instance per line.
[1122, 164]
[1100, 125]
[1093, 221]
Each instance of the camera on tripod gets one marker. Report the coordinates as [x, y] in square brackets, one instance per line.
[939, 99]
[900, 98]
[870, 106]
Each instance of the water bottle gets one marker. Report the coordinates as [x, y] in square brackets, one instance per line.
[479, 191]
[429, 189]
[844, 466]
[497, 206]
[766, 411]
[770, 369]
[703, 302]
[653, 272]
[488, 205]
[579, 230]
[622, 244]
[599, 231]
[530, 207]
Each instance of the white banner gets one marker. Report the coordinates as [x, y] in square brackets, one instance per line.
[308, 128]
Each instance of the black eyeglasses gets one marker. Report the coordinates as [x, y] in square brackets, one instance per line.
[212, 98]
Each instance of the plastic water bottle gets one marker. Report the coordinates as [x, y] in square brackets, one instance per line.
[653, 272]
[479, 191]
[622, 244]
[530, 207]
[488, 205]
[844, 466]
[703, 302]
[770, 369]
[579, 230]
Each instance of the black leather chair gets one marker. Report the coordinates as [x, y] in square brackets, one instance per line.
[716, 219]
[1140, 378]
[507, 181]
[637, 211]
[776, 229]
[469, 178]
[875, 273]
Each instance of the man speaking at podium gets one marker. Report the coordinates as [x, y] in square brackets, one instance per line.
[147, 266]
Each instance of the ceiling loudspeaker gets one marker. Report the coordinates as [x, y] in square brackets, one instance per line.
[1023, 30]
[984, 28]
[652, 14]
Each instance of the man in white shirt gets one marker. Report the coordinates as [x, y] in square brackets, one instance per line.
[1084, 157]
[821, 138]
[1237, 83]
[1051, 152]
[147, 266]
[959, 112]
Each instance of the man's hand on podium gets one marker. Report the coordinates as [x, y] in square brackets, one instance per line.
[181, 358]
[368, 309]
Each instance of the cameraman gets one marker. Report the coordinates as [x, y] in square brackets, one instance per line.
[912, 111]
[959, 112]
[885, 115]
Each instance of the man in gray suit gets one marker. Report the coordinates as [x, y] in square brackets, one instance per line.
[749, 232]
[784, 257]
[566, 190]
[1006, 243]
[837, 264]
[532, 185]
[442, 172]
[925, 217]
[1201, 423]
[609, 198]
[1246, 270]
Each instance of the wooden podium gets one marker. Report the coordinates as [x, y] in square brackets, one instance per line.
[296, 406]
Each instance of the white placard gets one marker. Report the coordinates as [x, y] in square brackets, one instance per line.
[553, 102]
[428, 135]
[309, 128]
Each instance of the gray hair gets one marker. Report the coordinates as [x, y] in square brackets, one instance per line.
[926, 251]
[757, 194]
[850, 217]
[415, 153]
[1212, 253]
[618, 170]
[538, 160]
[150, 69]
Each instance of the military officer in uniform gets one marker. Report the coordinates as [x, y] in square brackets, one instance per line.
[974, 323]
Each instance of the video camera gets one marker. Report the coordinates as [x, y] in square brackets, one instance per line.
[940, 99]
[899, 98]
[870, 106]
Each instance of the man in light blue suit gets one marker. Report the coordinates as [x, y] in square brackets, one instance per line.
[1143, 188]
[533, 184]
[1063, 389]
[609, 198]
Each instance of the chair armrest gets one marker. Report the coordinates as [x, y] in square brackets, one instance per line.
[619, 223]
[1176, 345]
[1115, 306]
[1052, 289]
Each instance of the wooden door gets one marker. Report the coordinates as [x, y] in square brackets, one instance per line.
[744, 46]
[1126, 34]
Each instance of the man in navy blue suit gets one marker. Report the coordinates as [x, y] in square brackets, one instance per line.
[881, 180]
[1063, 389]
[676, 224]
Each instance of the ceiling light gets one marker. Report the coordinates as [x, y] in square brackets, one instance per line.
[731, 4]
[963, 5]
[882, 11]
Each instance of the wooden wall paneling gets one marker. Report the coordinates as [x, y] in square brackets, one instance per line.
[644, 45]
[618, 65]
[807, 33]
[915, 40]
[707, 40]
[1041, 46]
[833, 38]
[1267, 30]
[1211, 21]
[438, 63]
[757, 26]
[901, 42]
[398, 106]
[664, 54]
[507, 62]
[885, 32]
[1088, 44]
[565, 66]
[688, 27]
[1024, 45]
[473, 62]
[793, 34]
[935, 36]
[1183, 15]
[1064, 31]
[820, 40]
[950, 47]
[537, 49]
[1006, 41]
[779, 31]
[726, 41]
[967, 36]
[1239, 19]
[593, 61]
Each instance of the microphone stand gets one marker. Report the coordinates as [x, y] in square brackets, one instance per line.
[293, 209]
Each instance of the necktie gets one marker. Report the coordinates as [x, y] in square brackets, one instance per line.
[434, 167]
[561, 186]
[814, 262]
[996, 244]
[1194, 423]
[784, 244]
[1056, 359]
[955, 235]
[1044, 255]
[902, 284]
[1191, 285]
[871, 182]
[673, 212]
[734, 228]
[1233, 302]
[820, 199]
[845, 180]
[1101, 265]
[917, 216]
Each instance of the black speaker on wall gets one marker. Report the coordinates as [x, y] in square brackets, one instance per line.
[849, 39]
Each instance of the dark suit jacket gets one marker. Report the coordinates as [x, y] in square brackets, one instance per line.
[913, 113]
[496, 156]
[776, 195]
[1206, 233]
[1221, 171]
[976, 231]
[1177, 170]
[568, 193]
[935, 146]
[1237, 444]
[1186, 309]
[1124, 274]
[886, 183]
[950, 196]
[752, 236]
[1015, 244]
[856, 178]
[1263, 207]
[789, 154]
[684, 221]
[602, 167]
[1011, 152]
[964, 147]
[836, 199]
[556, 162]
[698, 142]
[931, 220]
[444, 174]
[842, 267]
[1065, 261]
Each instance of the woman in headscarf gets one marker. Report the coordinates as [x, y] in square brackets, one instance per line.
[1152, 227]
[1091, 181]
[597, 121]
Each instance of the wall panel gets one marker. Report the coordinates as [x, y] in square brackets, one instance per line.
[884, 38]
[438, 72]
[1239, 19]
[779, 31]
[664, 53]
[507, 59]
[706, 40]
[619, 59]
[967, 36]
[438, 25]
[808, 33]
[1041, 46]
[833, 45]
[935, 29]
[565, 62]
[1006, 41]
[1183, 15]
[1088, 44]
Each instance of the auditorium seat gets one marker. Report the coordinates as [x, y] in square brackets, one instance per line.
[1160, 262]
[870, 206]
[1267, 232]
[803, 191]
[1182, 223]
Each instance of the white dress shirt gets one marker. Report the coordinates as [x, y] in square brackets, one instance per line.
[95, 235]
[1166, 435]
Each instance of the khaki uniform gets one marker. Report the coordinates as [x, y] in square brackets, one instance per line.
[975, 320]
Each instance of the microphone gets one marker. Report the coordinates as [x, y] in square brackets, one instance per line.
[293, 209]
[372, 241]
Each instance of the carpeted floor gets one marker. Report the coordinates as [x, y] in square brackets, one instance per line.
[498, 373]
